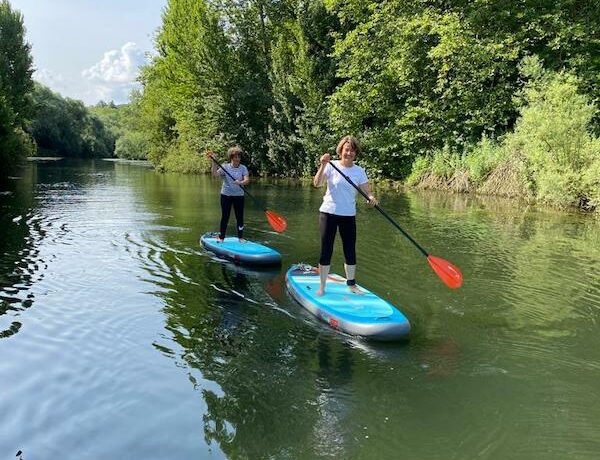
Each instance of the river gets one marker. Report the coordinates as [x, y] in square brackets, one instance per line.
[120, 337]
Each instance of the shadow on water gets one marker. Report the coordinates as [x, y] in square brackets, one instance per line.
[237, 338]
[21, 230]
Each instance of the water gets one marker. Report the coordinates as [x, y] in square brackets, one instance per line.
[121, 338]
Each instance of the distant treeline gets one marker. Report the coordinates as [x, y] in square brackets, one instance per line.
[65, 127]
[123, 123]
[33, 119]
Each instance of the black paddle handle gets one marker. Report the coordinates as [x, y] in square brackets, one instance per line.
[385, 214]
[241, 186]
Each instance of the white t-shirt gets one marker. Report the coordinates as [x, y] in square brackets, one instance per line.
[340, 197]
[229, 188]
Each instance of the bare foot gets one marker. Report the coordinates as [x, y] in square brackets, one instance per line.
[356, 290]
[220, 240]
[320, 292]
[243, 240]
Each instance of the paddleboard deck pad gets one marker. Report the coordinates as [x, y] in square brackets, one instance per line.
[248, 252]
[365, 315]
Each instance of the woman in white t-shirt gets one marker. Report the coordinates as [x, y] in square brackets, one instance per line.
[338, 211]
[232, 195]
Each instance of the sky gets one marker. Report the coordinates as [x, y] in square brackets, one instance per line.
[90, 50]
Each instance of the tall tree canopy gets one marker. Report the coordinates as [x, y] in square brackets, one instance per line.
[285, 78]
[15, 86]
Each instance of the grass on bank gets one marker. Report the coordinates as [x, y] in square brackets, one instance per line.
[550, 156]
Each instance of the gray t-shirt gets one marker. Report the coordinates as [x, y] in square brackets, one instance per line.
[229, 188]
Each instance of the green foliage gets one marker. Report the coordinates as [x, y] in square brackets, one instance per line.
[446, 162]
[485, 157]
[420, 168]
[256, 74]
[434, 83]
[14, 146]
[553, 134]
[180, 158]
[591, 180]
[419, 75]
[551, 148]
[15, 62]
[418, 80]
[123, 123]
[65, 127]
[15, 87]
[302, 75]
[189, 87]
[132, 145]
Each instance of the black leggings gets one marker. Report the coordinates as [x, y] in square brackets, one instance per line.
[238, 208]
[329, 223]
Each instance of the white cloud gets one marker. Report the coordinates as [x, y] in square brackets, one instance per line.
[114, 76]
[110, 79]
[117, 66]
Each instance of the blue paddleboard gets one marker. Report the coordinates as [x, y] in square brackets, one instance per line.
[248, 252]
[365, 315]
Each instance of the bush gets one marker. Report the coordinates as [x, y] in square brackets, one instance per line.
[446, 163]
[420, 168]
[553, 135]
[485, 157]
[591, 181]
[182, 159]
[15, 145]
[132, 145]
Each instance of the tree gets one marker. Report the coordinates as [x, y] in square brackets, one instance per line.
[188, 87]
[302, 75]
[66, 127]
[15, 86]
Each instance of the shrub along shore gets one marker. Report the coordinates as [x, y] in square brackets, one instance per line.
[550, 156]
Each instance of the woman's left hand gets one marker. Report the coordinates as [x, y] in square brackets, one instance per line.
[373, 201]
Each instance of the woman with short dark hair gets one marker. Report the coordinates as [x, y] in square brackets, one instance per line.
[232, 195]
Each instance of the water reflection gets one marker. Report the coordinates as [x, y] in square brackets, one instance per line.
[164, 342]
[288, 386]
[20, 229]
[280, 384]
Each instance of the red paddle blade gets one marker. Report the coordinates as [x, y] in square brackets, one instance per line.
[276, 221]
[449, 273]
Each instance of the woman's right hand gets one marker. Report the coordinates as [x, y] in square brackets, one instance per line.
[325, 158]
[209, 155]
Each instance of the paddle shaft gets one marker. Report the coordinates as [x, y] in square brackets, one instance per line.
[385, 214]
[241, 186]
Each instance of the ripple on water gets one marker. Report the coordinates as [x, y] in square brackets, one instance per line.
[116, 314]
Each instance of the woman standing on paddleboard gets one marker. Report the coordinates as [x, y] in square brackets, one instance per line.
[338, 211]
[231, 192]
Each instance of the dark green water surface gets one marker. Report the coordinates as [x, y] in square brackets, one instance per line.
[121, 338]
